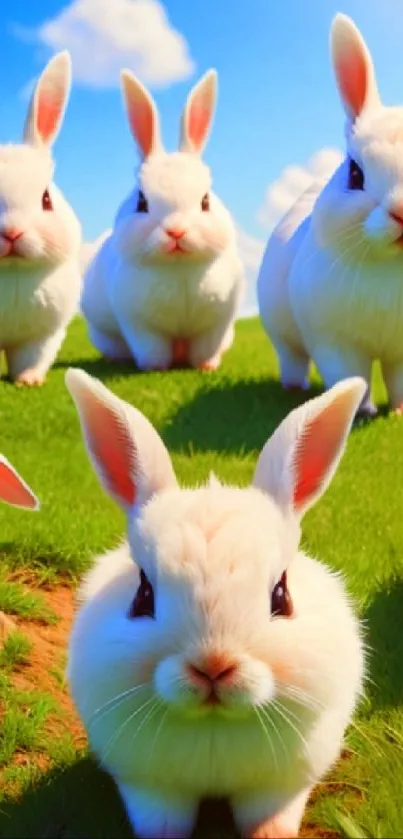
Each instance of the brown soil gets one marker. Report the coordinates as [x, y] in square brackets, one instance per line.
[45, 669]
[7, 625]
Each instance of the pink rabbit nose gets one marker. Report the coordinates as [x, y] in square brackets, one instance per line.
[214, 669]
[11, 234]
[175, 232]
[397, 215]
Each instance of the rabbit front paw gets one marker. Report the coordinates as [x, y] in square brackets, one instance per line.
[30, 378]
[211, 364]
[272, 829]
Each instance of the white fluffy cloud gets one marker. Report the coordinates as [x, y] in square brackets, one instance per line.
[104, 36]
[283, 192]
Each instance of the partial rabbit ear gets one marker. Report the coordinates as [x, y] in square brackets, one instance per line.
[13, 490]
[198, 113]
[353, 67]
[299, 460]
[129, 456]
[142, 114]
[49, 101]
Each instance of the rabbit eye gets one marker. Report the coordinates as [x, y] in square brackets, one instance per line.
[355, 176]
[143, 603]
[46, 201]
[142, 203]
[281, 603]
[205, 204]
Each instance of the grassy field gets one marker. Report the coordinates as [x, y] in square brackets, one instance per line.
[49, 787]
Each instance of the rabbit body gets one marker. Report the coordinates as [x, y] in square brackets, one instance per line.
[40, 238]
[330, 285]
[199, 666]
[170, 271]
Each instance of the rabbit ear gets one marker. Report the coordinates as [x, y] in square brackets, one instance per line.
[49, 101]
[299, 460]
[142, 114]
[198, 113]
[13, 490]
[129, 456]
[353, 67]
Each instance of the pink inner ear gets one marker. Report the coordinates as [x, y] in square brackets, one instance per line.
[50, 106]
[352, 75]
[198, 122]
[317, 450]
[12, 490]
[141, 120]
[112, 449]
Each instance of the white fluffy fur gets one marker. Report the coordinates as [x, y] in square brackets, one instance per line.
[40, 278]
[213, 556]
[139, 295]
[331, 283]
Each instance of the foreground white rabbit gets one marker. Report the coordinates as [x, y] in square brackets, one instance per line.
[40, 238]
[331, 282]
[210, 657]
[166, 284]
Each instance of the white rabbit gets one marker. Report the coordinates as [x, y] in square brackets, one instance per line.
[210, 657]
[13, 490]
[40, 238]
[331, 283]
[166, 284]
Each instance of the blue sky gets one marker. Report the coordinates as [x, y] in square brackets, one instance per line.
[277, 104]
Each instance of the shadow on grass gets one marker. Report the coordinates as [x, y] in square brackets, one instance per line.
[231, 418]
[82, 802]
[100, 367]
[384, 619]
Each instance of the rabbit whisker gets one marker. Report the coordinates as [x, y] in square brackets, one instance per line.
[115, 701]
[259, 714]
[124, 725]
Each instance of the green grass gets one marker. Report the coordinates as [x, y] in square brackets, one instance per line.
[14, 651]
[17, 599]
[209, 422]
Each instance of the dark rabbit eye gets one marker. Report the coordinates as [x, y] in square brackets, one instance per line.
[143, 603]
[205, 204]
[46, 201]
[281, 603]
[142, 203]
[355, 176]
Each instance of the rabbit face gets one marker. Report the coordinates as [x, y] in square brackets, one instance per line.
[35, 221]
[360, 211]
[173, 216]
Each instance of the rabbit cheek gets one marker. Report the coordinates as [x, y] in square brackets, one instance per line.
[55, 238]
[213, 237]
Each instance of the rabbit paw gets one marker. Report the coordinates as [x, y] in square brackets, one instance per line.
[30, 378]
[272, 829]
[211, 364]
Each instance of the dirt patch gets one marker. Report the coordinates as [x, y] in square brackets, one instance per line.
[44, 670]
[7, 625]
